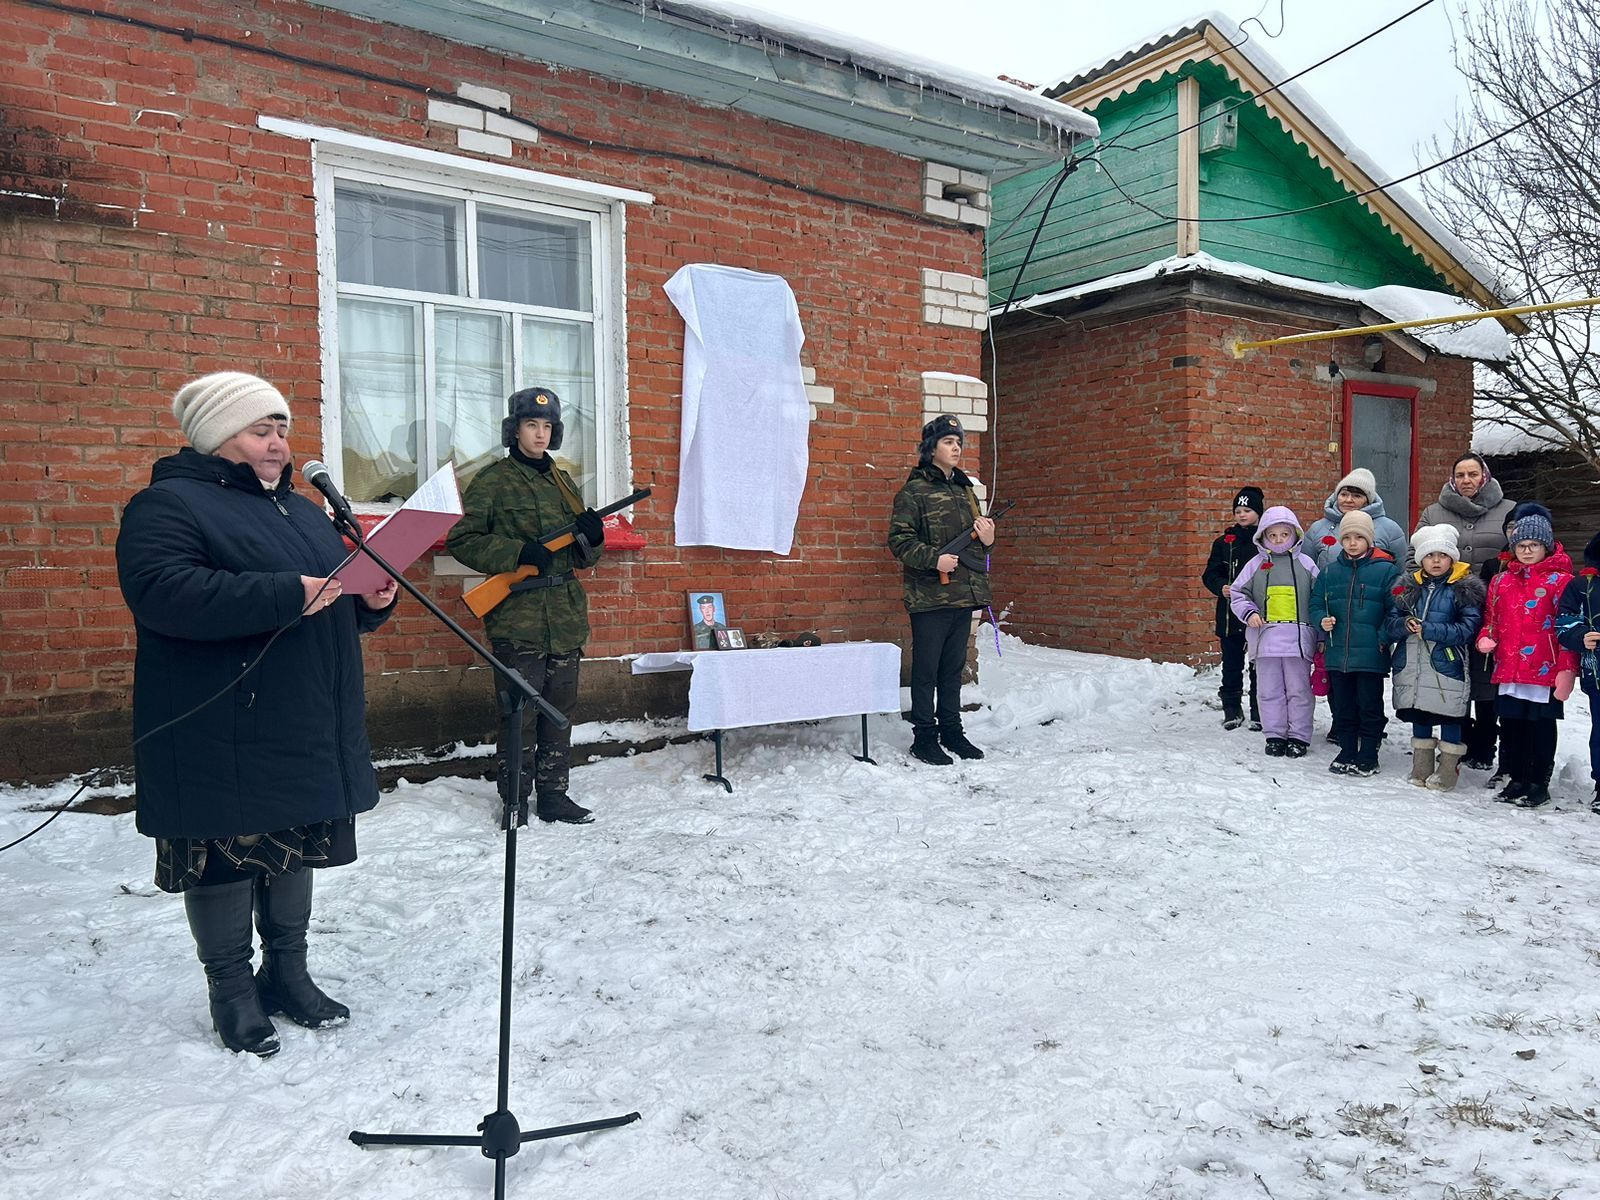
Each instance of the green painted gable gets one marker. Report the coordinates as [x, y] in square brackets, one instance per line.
[1093, 231]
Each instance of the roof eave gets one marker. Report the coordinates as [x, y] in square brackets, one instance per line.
[749, 71]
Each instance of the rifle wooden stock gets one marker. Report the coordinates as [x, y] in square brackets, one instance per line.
[958, 544]
[496, 588]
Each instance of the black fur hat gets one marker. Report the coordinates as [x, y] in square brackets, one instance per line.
[532, 402]
[939, 427]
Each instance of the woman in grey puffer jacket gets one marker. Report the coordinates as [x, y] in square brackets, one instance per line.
[1473, 501]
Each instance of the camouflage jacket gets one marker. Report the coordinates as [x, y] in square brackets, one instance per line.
[505, 505]
[929, 511]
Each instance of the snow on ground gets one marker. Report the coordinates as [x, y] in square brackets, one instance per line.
[1126, 956]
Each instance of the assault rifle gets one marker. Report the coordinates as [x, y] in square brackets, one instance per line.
[496, 588]
[959, 545]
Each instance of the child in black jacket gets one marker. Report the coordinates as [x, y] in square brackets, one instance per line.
[1578, 628]
[1229, 554]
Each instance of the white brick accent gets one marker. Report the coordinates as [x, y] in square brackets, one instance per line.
[506, 127]
[455, 114]
[819, 395]
[483, 143]
[808, 374]
[955, 195]
[963, 396]
[950, 298]
[482, 95]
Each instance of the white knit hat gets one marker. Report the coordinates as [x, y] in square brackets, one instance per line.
[1431, 539]
[213, 408]
[1362, 480]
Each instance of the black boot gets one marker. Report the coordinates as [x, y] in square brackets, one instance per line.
[558, 806]
[955, 741]
[1594, 805]
[925, 748]
[1345, 762]
[283, 913]
[1232, 714]
[1514, 791]
[219, 919]
[1277, 747]
[1366, 759]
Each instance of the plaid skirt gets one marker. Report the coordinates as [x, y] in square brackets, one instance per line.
[183, 863]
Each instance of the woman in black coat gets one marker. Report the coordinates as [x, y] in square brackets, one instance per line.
[247, 772]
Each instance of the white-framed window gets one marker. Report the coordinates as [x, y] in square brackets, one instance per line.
[442, 293]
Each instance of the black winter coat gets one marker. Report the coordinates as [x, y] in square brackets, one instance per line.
[1227, 559]
[210, 565]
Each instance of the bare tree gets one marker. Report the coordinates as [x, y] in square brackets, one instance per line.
[1529, 205]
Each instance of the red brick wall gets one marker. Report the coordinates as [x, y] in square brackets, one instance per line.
[1125, 442]
[178, 239]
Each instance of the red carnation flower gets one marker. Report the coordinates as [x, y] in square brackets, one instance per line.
[1505, 556]
[1589, 571]
[1399, 589]
[1328, 539]
[1228, 538]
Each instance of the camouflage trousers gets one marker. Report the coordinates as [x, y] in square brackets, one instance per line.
[546, 749]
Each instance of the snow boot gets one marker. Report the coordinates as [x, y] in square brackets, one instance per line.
[1537, 795]
[1255, 725]
[1499, 779]
[1448, 771]
[283, 913]
[1277, 747]
[1594, 805]
[1346, 759]
[1422, 754]
[219, 919]
[1366, 762]
[925, 748]
[1232, 715]
[1514, 791]
[955, 741]
[1295, 748]
[558, 806]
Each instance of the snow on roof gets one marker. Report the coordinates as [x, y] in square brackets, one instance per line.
[1495, 430]
[1300, 99]
[1485, 340]
[883, 60]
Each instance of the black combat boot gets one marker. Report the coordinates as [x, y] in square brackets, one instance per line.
[925, 748]
[558, 806]
[283, 914]
[219, 919]
[1366, 760]
[954, 740]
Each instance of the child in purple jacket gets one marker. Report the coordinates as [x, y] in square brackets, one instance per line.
[1272, 596]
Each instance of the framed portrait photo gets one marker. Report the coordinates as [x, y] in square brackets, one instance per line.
[730, 639]
[707, 615]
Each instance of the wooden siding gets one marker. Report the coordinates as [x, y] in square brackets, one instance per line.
[1092, 231]
[1269, 172]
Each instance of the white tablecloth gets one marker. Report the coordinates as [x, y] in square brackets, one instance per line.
[732, 689]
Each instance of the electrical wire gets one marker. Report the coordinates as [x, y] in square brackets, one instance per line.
[1382, 187]
[96, 776]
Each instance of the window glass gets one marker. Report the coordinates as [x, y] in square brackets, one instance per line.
[559, 355]
[533, 259]
[472, 375]
[380, 385]
[394, 239]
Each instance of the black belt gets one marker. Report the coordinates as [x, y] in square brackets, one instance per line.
[535, 582]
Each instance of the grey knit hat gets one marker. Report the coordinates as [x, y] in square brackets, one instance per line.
[1432, 539]
[213, 408]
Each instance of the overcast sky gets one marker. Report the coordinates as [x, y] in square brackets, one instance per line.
[1391, 94]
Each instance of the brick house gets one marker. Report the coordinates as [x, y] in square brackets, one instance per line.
[398, 212]
[1123, 419]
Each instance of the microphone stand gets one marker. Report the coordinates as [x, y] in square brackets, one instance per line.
[500, 1136]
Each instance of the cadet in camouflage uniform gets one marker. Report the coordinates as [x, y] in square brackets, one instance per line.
[541, 628]
[935, 506]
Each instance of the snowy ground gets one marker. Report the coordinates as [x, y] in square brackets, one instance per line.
[1126, 956]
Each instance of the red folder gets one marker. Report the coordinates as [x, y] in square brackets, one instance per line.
[406, 534]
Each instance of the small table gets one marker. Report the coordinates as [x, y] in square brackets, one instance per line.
[737, 689]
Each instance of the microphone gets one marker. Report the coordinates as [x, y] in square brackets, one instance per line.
[316, 474]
